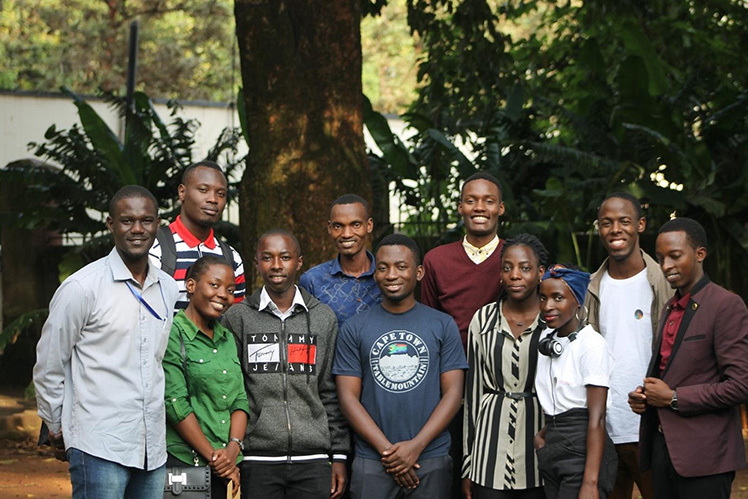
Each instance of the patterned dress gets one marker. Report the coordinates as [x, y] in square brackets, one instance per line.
[502, 413]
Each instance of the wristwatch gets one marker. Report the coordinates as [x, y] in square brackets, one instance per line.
[239, 442]
[674, 402]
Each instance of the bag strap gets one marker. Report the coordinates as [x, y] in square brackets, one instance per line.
[168, 249]
[228, 254]
[183, 350]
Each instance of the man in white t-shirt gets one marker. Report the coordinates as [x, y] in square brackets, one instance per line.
[625, 299]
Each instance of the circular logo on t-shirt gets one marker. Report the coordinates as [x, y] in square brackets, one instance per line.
[399, 361]
[638, 314]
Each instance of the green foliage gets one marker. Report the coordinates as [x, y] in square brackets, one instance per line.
[187, 48]
[389, 58]
[566, 102]
[93, 163]
[89, 163]
[27, 320]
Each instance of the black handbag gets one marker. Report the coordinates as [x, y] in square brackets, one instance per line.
[187, 482]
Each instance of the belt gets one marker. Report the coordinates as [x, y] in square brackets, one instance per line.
[512, 395]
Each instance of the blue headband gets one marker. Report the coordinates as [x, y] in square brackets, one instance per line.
[577, 280]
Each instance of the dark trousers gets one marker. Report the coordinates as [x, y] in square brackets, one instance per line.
[217, 484]
[481, 492]
[371, 481]
[628, 473]
[311, 480]
[561, 461]
[667, 483]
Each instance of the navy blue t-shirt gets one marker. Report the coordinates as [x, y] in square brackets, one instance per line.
[400, 358]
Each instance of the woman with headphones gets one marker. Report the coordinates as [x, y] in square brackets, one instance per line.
[576, 457]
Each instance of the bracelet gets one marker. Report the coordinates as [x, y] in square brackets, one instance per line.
[238, 442]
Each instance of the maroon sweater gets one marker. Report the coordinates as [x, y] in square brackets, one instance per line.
[455, 285]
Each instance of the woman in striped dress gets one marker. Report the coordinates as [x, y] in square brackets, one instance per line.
[502, 413]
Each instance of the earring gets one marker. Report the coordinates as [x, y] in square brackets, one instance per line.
[582, 319]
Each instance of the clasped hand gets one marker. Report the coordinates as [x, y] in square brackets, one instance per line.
[654, 392]
[223, 462]
[400, 460]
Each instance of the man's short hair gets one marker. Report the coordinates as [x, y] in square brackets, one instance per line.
[207, 164]
[129, 192]
[626, 197]
[402, 240]
[695, 233]
[279, 232]
[351, 199]
[482, 176]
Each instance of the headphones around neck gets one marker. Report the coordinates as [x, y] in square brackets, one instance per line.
[551, 347]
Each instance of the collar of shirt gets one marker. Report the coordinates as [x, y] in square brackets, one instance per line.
[187, 236]
[479, 255]
[120, 272]
[190, 329]
[504, 323]
[337, 269]
[680, 302]
[267, 302]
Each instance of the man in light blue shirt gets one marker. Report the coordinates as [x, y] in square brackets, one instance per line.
[346, 283]
[98, 376]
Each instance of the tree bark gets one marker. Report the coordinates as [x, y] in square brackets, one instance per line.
[301, 72]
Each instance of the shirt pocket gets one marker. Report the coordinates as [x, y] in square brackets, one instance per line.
[203, 373]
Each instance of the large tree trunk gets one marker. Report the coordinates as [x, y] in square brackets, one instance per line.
[301, 70]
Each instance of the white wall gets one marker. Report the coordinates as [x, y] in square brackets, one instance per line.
[24, 117]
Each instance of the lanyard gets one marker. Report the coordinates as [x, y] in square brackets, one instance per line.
[148, 307]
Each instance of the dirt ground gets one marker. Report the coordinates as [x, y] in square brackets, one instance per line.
[27, 471]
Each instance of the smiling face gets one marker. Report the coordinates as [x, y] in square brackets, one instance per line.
[480, 208]
[620, 228]
[520, 272]
[348, 226]
[212, 293]
[277, 261]
[133, 224]
[558, 306]
[396, 275]
[681, 263]
[203, 197]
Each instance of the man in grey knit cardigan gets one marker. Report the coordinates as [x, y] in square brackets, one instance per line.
[297, 439]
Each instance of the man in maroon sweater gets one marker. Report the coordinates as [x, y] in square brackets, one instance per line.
[461, 277]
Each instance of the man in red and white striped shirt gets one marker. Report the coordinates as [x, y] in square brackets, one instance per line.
[203, 194]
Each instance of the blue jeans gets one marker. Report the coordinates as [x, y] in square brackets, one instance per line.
[96, 478]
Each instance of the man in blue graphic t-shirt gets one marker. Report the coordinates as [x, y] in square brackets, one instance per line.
[399, 370]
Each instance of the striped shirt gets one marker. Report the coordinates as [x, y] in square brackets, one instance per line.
[498, 451]
[189, 249]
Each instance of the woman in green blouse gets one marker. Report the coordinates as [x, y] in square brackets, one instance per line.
[206, 405]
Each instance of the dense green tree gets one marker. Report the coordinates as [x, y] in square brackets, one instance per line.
[187, 47]
[568, 101]
[389, 59]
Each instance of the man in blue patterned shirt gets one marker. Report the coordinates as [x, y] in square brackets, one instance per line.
[346, 283]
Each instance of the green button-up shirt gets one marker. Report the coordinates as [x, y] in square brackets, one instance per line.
[216, 385]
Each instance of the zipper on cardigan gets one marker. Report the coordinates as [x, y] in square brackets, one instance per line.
[284, 377]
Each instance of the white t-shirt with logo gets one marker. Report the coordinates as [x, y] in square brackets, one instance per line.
[626, 325]
[561, 383]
